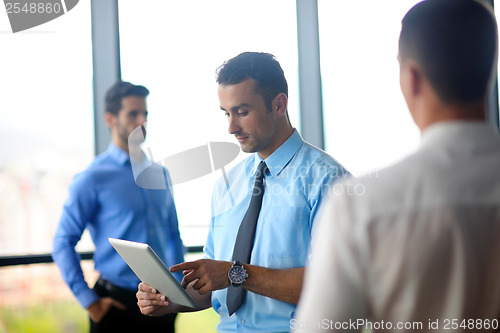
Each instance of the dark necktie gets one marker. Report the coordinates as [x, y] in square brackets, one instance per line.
[244, 240]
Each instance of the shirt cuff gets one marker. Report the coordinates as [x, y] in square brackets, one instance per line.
[86, 298]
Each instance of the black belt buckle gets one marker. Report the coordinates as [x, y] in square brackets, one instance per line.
[114, 289]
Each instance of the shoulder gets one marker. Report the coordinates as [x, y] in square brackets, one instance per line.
[316, 161]
[232, 188]
[385, 191]
[236, 174]
[96, 170]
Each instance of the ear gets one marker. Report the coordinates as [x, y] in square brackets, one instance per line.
[280, 104]
[110, 119]
[415, 79]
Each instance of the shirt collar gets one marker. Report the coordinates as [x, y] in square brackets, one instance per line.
[119, 155]
[278, 160]
[459, 133]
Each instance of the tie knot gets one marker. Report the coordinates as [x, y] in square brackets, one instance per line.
[261, 169]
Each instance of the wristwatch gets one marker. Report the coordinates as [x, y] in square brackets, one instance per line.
[237, 274]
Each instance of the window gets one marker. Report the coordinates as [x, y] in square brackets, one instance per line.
[46, 137]
[497, 10]
[366, 120]
[174, 48]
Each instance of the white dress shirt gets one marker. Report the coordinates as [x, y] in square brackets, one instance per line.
[418, 242]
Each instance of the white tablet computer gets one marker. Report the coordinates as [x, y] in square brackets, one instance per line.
[150, 269]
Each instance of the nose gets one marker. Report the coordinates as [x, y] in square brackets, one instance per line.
[234, 126]
[141, 118]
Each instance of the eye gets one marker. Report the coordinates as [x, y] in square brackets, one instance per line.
[135, 114]
[242, 113]
[226, 114]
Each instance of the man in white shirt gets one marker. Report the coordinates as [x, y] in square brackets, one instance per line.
[417, 248]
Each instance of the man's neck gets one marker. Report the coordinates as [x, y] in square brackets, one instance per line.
[451, 112]
[123, 146]
[281, 138]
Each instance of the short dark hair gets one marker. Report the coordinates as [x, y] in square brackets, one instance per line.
[121, 89]
[262, 67]
[455, 43]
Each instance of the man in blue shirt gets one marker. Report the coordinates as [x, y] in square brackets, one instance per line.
[105, 200]
[253, 95]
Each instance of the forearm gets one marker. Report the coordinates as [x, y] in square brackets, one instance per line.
[281, 284]
[77, 210]
[206, 275]
[68, 261]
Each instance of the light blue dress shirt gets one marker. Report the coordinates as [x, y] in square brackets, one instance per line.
[299, 175]
[105, 200]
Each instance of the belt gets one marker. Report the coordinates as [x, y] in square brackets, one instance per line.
[114, 289]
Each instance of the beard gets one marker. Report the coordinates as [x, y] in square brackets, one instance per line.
[255, 144]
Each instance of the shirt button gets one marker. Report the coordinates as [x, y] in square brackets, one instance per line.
[151, 232]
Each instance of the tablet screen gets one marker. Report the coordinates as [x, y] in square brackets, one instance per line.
[150, 269]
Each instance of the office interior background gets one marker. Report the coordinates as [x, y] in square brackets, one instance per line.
[339, 58]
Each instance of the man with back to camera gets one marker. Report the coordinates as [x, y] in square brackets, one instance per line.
[419, 249]
[105, 200]
[261, 222]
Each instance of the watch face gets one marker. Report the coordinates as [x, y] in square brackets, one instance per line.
[237, 274]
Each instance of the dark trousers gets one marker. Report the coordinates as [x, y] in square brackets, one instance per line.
[131, 319]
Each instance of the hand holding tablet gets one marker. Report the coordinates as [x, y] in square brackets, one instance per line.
[150, 269]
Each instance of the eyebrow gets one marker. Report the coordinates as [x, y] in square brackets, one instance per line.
[237, 107]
